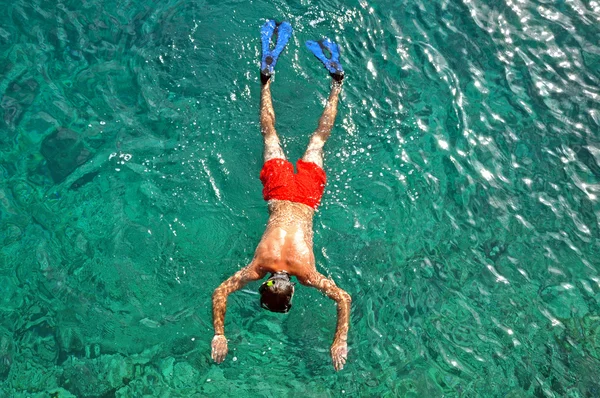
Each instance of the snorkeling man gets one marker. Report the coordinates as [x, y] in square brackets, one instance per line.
[286, 247]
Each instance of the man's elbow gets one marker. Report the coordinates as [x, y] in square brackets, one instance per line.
[218, 295]
[345, 298]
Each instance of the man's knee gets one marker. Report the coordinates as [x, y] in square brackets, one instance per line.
[314, 156]
[271, 140]
[315, 143]
[273, 152]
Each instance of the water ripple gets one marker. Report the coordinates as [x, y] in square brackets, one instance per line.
[461, 210]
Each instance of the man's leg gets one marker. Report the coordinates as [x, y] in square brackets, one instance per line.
[314, 151]
[273, 148]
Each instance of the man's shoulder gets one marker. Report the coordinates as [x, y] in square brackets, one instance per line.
[254, 271]
[308, 277]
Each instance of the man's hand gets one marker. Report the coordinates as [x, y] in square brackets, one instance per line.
[219, 348]
[339, 353]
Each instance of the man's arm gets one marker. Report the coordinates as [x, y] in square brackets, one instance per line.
[339, 348]
[219, 300]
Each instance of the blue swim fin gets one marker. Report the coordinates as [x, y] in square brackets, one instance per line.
[332, 63]
[283, 31]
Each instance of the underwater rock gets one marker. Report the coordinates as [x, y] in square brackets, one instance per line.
[73, 53]
[516, 393]
[494, 249]
[39, 344]
[586, 332]
[70, 339]
[81, 181]
[185, 375]
[166, 367]
[91, 377]
[64, 152]
[169, 378]
[564, 302]
[7, 348]
[16, 99]
[11, 296]
[59, 393]
[29, 377]
[182, 345]
[149, 384]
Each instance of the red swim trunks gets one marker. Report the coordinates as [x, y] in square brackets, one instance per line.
[280, 182]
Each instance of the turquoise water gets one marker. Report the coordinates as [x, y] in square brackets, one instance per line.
[461, 213]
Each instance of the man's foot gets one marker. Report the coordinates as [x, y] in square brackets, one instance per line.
[283, 31]
[332, 63]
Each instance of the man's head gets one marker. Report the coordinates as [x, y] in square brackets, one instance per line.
[276, 292]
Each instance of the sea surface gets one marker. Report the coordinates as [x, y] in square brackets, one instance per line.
[462, 210]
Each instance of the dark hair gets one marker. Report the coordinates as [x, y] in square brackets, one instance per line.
[276, 294]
